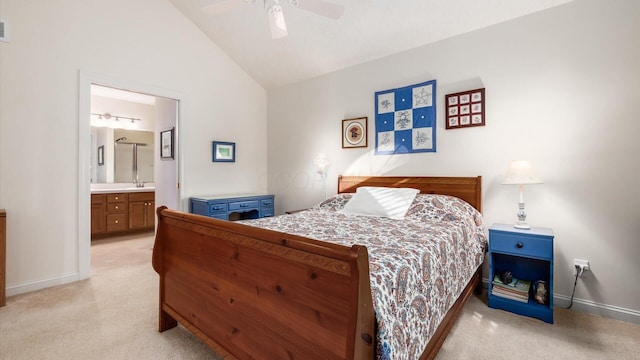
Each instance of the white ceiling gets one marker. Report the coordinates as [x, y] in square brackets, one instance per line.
[368, 30]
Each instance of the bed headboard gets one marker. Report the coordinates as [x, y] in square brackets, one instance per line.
[468, 189]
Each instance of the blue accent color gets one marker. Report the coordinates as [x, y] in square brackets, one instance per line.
[381, 118]
[233, 208]
[403, 147]
[528, 254]
[423, 117]
[429, 115]
[407, 95]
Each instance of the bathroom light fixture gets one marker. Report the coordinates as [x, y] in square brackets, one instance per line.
[107, 116]
[521, 173]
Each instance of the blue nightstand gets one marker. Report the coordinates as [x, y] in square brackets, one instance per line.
[528, 254]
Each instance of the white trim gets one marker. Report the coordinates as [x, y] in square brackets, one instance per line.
[594, 308]
[85, 79]
[40, 284]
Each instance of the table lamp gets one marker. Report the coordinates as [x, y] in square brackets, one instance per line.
[521, 173]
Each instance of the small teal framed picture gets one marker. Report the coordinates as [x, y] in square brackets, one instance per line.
[224, 151]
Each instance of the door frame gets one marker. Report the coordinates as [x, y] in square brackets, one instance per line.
[85, 80]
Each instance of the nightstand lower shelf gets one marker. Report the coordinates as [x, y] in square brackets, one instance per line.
[531, 309]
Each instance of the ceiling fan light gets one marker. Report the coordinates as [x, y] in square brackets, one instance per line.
[276, 21]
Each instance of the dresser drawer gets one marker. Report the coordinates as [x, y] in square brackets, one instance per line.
[116, 222]
[244, 205]
[266, 203]
[221, 216]
[113, 208]
[120, 197]
[266, 212]
[217, 208]
[521, 245]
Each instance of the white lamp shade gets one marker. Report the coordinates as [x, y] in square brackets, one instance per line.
[521, 172]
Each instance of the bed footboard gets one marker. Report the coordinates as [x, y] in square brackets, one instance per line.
[249, 292]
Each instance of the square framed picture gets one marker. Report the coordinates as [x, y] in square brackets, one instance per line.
[224, 151]
[354, 133]
[465, 109]
[166, 144]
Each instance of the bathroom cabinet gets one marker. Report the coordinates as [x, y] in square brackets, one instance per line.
[121, 212]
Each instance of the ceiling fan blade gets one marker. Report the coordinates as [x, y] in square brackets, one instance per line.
[220, 7]
[320, 7]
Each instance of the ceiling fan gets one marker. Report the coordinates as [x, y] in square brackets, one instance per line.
[274, 11]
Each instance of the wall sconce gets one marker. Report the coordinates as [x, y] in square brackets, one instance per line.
[322, 163]
[521, 173]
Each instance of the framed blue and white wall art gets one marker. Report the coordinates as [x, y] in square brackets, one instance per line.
[406, 119]
[224, 151]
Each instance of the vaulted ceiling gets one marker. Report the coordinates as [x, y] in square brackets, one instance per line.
[368, 30]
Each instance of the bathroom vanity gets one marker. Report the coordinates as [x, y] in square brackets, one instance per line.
[122, 210]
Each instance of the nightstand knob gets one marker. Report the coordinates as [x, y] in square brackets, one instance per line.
[519, 245]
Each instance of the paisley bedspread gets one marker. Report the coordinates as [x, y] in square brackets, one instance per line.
[418, 265]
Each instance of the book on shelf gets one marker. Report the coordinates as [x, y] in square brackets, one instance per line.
[497, 292]
[517, 289]
[516, 285]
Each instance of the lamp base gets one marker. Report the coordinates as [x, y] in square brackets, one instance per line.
[522, 225]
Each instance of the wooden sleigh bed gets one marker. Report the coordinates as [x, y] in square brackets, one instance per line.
[253, 293]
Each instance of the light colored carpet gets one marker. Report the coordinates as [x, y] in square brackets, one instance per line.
[114, 315]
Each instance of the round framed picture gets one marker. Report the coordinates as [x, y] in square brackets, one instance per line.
[354, 132]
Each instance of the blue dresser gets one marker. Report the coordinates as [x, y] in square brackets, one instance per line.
[233, 207]
[528, 255]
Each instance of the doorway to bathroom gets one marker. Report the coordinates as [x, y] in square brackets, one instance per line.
[116, 154]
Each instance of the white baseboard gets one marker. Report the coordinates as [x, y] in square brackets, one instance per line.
[41, 284]
[592, 307]
[604, 310]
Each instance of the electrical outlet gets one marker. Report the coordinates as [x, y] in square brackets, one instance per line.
[583, 265]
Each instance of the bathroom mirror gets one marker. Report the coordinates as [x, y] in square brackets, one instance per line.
[127, 155]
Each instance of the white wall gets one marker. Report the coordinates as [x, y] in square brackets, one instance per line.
[561, 91]
[165, 170]
[139, 41]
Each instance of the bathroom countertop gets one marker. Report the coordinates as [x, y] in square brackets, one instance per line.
[120, 188]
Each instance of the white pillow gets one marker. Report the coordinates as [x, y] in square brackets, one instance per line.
[380, 201]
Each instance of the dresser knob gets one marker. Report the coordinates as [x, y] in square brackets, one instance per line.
[117, 207]
[116, 221]
[519, 245]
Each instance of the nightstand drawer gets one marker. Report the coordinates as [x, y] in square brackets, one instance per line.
[244, 205]
[520, 245]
